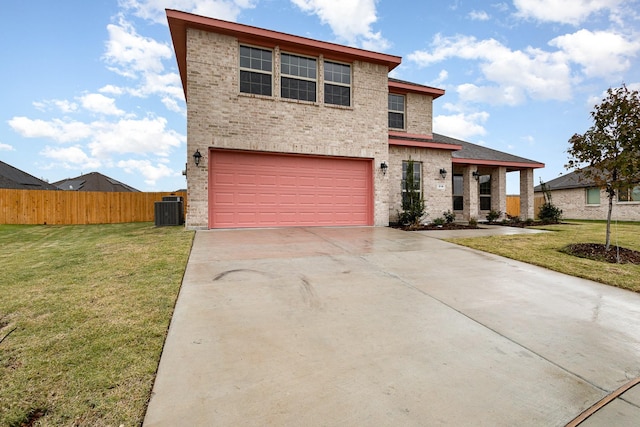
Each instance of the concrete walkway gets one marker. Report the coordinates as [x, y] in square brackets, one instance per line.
[380, 327]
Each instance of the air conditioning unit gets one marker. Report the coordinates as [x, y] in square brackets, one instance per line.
[169, 213]
[172, 198]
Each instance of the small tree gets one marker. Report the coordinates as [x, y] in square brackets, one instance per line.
[412, 201]
[548, 212]
[611, 147]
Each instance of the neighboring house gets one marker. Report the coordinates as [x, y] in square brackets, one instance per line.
[290, 131]
[16, 179]
[580, 198]
[94, 181]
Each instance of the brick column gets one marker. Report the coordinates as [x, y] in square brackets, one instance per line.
[526, 194]
[499, 190]
[470, 194]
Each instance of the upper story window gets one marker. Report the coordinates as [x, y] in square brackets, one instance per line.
[593, 196]
[255, 70]
[629, 193]
[298, 80]
[337, 83]
[396, 111]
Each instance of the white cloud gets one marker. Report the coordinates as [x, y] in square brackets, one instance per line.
[150, 172]
[600, 53]
[566, 11]
[461, 125]
[147, 136]
[504, 95]
[129, 53]
[6, 147]
[56, 129]
[443, 75]
[350, 20]
[70, 157]
[60, 104]
[539, 74]
[111, 89]
[98, 103]
[154, 10]
[478, 15]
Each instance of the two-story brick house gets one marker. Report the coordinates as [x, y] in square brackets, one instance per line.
[290, 131]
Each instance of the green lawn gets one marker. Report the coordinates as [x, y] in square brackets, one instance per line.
[84, 312]
[544, 250]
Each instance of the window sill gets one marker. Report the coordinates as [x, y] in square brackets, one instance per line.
[339, 107]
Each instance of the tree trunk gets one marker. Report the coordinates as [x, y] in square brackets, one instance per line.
[608, 242]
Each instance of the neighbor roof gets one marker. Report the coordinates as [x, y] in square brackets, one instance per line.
[477, 155]
[180, 21]
[94, 181]
[574, 179]
[14, 178]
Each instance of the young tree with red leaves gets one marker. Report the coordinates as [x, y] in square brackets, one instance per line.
[608, 153]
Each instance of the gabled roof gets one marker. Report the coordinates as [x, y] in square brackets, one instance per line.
[573, 179]
[93, 181]
[180, 21]
[14, 178]
[403, 87]
[482, 156]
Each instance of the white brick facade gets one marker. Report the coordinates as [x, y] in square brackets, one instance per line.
[573, 203]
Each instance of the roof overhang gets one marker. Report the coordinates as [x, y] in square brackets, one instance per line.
[419, 140]
[507, 164]
[180, 21]
[407, 87]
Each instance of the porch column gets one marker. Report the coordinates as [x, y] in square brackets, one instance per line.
[470, 194]
[526, 194]
[499, 190]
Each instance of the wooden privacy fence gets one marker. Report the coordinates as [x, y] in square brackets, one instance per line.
[513, 205]
[78, 207]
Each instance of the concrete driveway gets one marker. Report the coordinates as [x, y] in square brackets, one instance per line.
[380, 327]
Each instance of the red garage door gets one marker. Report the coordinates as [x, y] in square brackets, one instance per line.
[248, 189]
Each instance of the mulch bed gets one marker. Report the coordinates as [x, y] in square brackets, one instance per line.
[597, 252]
[450, 226]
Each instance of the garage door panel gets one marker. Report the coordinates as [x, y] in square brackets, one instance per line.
[263, 190]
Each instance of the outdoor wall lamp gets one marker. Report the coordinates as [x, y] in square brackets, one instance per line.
[476, 175]
[196, 157]
[443, 173]
[384, 167]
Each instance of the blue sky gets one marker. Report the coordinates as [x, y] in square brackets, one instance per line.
[93, 85]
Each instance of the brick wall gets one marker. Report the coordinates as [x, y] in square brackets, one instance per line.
[436, 190]
[574, 206]
[220, 116]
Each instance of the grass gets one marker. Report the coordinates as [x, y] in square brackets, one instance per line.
[545, 250]
[84, 312]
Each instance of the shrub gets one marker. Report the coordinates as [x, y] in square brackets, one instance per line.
[439, 221]
[473, 222]
[449, 216]
[550, 213]
[492, 216]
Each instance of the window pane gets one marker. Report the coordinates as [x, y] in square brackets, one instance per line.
[485, 184]
[396, 120]
[458, 185]
[635, 193]
[337, 95]
[458, 203]
[593, 196]
[485, 203]
[256, 83]
[396, 102]
[303, 90]
[338, 73]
